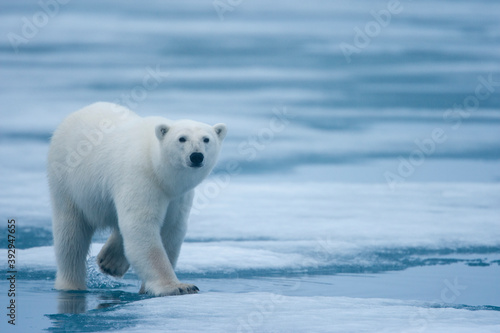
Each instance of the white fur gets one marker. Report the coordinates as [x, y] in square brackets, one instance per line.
[108, 167]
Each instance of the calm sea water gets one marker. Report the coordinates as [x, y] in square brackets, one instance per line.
[365, 134]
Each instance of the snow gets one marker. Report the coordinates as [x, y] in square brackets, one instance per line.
[312, 225]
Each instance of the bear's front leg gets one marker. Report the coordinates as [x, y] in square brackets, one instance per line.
[140, 229]
[175, 225]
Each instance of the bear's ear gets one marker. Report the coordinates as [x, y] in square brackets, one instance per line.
[220, 130]
[161, 131]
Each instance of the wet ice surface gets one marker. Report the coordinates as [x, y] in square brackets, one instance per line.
[389, 263]
[297, 229]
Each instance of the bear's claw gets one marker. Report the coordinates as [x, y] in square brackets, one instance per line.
[178, 289]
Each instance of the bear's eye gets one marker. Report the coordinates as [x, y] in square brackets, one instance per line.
[206, 140]
[182, 139]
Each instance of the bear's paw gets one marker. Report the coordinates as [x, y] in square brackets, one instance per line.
[170, 290]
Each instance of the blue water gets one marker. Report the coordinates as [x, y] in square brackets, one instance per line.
[381, 181]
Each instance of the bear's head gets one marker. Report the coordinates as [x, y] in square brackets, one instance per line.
[190, 145]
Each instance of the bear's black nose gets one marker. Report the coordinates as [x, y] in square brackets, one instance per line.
[196, 158]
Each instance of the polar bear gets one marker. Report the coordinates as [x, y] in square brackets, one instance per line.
[110, 168]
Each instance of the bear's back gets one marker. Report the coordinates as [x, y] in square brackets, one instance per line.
[86, 156]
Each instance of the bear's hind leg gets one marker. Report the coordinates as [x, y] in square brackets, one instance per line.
[111, 259]
[72, 237]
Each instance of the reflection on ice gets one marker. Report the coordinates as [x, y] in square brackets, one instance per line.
[83, 301]
[72, 302]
